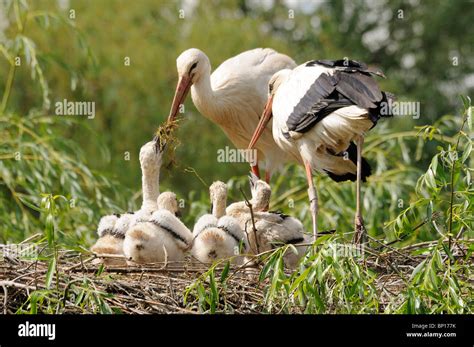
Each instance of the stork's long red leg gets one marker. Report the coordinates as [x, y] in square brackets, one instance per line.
[268, 176]
[313, 198]
[359, 228]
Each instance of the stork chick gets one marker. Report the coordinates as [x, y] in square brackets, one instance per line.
[217, 236]
[110, 239]
[112, 228]
[269, 229]
[163, 238]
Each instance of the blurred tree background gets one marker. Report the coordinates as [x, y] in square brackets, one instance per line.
[425, 48]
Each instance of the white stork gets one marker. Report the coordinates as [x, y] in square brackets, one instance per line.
[112, 228]
[272, 229]
[110, 240]
[161, 238]
[217, 236]
[234, 96]
[322, 110]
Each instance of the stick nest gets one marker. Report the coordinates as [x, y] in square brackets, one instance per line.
[79, 284]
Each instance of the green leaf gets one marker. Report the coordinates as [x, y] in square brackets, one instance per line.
[30, 205]
[299, 279]
[214, 293]
[34, 302]
[266, 268]
[51, 271]
[225, 272]
[467, 152]
[417, 270]
[50, 229]
[448, 252]
[429, 211]
[430, 179]
[434, 163]
[466, 100]
[100, 270]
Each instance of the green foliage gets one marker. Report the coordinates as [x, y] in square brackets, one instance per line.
[205, 291]
[333, 278]
[36, 160]
[58, 175]
[83, 59]
[330, 279]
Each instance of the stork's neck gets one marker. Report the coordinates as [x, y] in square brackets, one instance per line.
[150, 187]
[207, 101]
[218, 206]
[261, 200]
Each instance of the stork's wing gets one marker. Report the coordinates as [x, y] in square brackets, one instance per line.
[350, 85]
[303, 118]
[250, 71]
[360, 88]
[346, 65]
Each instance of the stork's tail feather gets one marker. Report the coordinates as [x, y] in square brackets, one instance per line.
[352, 176]
[384, 108]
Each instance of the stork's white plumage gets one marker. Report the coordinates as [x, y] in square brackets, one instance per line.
[321, 111]
[150, 164]
[110, 240]
[272, 229]
[112, 228]
[163, 238]
[234, 96]
[217, 236]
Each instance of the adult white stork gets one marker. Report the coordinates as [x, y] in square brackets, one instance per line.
[234, 96]
[321, 112]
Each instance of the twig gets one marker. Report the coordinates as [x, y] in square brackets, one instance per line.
[16, 285]
[451, 199]
[5, 299]
[254, 229]
[390, 248]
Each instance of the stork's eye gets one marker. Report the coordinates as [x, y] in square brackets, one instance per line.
[270, 88]
[193, 67]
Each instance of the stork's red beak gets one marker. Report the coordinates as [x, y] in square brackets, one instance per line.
[182, 89]
[266, 116]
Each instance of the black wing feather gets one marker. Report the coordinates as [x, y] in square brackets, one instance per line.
[341, 63]
[351, 153]
[351, 84]
[360, 88]
[347, 65]
[302, 117]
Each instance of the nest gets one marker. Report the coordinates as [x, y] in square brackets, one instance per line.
[152, 288]
[162, 288]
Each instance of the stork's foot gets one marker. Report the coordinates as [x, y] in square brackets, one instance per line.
[359, 229]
